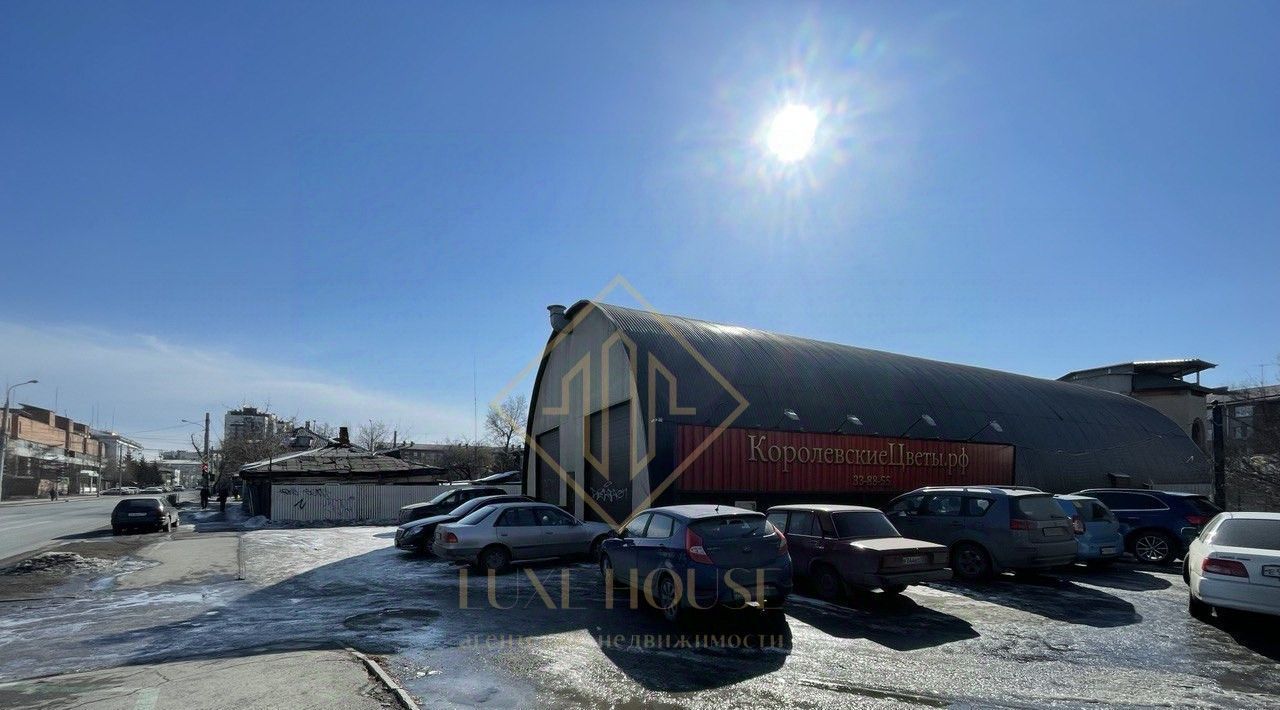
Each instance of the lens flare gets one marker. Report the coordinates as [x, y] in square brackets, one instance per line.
[791, 133]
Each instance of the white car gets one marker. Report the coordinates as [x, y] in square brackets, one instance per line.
[1235, 564]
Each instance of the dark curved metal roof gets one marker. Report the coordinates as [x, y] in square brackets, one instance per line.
[1066, 436]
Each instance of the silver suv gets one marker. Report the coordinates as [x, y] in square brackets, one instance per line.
[988, 529]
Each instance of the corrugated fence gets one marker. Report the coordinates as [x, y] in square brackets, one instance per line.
[348, 503]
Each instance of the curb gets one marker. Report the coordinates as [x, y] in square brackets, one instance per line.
[406, 700]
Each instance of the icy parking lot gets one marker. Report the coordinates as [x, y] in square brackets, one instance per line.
[1121, 637]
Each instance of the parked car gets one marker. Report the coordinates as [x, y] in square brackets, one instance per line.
[1157, 525]
[1098, 539]
[1235, 564]
[988, 529]
[143, 513]
[668, 547]
[838, 547]
[417, 535]
[113, 492]
[179, 489]
[445, 502]
[153, 490]
[130, 491]
[494, 536]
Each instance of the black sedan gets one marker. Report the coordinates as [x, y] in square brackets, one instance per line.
[416, 535]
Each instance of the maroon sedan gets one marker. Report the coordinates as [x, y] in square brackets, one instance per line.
[839, 547]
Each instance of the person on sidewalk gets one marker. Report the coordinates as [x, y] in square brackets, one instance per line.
[222, 499]
[204, 497]
[53, 494]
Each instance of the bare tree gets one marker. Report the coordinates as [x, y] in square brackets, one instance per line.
[467, 460]
[372, 435]
[324, 429]
[505, 425]
[1251, 446]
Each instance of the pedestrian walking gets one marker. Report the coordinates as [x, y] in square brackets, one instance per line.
[53, 494]
[222, 499]
[204, 497]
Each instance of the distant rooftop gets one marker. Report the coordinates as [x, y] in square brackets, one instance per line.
[1179, 367]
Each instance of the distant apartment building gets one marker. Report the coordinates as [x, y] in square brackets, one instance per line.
[1252, 418]
[116, 451]
[249, 423]
[45, 451]
[180, 455]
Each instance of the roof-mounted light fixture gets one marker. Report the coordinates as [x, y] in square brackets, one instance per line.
[922, 418]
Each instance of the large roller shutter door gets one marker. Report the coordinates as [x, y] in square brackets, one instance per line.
[613, 493]
[548, 478]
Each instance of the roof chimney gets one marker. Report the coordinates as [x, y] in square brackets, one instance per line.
[343, 438]
[558, 319]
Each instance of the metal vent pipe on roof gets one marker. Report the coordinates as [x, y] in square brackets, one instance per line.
[558, 319]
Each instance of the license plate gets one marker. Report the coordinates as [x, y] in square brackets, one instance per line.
[914, 560]
[1108, 550]
[1271, 571]
[137, 515]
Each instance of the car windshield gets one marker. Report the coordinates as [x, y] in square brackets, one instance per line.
[1039, 508]
[478, 515]
[1244, 532]
[731, 527]
[863, 525]
[440, 498]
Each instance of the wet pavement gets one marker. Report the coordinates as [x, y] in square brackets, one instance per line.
[1120, 637]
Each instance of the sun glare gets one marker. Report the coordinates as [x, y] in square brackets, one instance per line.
[791, 133]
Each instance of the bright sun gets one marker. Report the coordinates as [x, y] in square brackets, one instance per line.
[791, 133]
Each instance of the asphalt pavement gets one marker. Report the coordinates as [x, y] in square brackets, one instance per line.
[1120, 637]
[32, 525]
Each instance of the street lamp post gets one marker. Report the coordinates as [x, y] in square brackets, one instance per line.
[4, 431]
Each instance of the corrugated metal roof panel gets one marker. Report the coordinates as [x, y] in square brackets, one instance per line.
[1061, 430]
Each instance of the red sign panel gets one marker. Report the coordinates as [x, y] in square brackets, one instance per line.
[778, 461]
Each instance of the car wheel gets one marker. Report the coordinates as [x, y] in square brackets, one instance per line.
[1198, 609]
[116, 531]
[494, 558]
[828, 583]
[608, 574]
[970, 562]
[593, 552]
[665, 596]
[1154, 547]
[1186, 572]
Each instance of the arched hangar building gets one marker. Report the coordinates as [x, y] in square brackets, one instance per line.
[632, 409]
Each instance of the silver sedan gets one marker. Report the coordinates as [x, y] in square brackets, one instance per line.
[494, 536]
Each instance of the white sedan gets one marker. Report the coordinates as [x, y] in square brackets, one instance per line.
[1235, 564]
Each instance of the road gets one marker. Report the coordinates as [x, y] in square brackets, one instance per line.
[28, 527]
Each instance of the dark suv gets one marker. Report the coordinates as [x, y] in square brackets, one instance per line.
[143, 513]
[988, 528]
[1157, 525]
[445, 502]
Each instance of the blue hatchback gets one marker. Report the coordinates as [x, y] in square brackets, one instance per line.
[1098, 538]
[1157, 525]
[699, 556]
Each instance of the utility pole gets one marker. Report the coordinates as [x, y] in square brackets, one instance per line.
[4, 431]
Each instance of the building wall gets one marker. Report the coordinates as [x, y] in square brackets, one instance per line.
[1184, 408]
[571, 373]
[1118, 383]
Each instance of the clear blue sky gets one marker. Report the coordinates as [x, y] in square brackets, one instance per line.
[377, 193]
